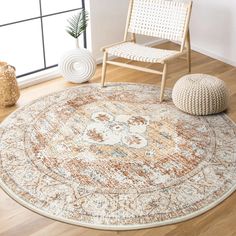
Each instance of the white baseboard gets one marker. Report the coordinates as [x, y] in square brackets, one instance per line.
[210, 54]
[38, 78]
[213, 55]
[155, 42]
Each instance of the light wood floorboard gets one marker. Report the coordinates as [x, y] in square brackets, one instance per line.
[15, 220]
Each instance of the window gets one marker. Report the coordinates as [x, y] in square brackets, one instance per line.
[32, 33]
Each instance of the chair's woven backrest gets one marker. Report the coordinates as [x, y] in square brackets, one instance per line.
[159, 18]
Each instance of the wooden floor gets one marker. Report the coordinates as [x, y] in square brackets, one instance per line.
[15, 220]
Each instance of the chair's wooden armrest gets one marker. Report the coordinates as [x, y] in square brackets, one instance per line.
[111, 45]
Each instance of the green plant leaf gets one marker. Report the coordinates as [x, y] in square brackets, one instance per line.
[77, 24]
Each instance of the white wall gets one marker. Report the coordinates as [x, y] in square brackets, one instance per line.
[213, 26]
[213, 29]
[107, 20]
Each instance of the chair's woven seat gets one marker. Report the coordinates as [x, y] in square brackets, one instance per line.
[200, 94]
[137, 52]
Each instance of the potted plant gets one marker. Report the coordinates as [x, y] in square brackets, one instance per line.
[77, 65]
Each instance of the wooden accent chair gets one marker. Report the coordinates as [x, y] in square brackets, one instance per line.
[158, 18]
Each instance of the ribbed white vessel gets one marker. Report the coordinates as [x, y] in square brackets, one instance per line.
[200, 94]
[77, 65]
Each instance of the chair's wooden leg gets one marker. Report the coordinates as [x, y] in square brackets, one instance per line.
[133, 37]
[163, 82]
[189, 52]
[104, 68]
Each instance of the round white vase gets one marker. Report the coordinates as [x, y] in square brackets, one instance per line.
[77, 65]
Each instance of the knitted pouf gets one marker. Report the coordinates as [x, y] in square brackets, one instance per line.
[200, 94]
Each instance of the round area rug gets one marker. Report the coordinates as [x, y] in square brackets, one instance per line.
[115, 158]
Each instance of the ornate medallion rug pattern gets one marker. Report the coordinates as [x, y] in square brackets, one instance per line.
[115, 158]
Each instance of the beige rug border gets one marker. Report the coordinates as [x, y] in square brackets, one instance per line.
[25, 204]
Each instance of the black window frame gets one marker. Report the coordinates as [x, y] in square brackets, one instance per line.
[40, 17]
